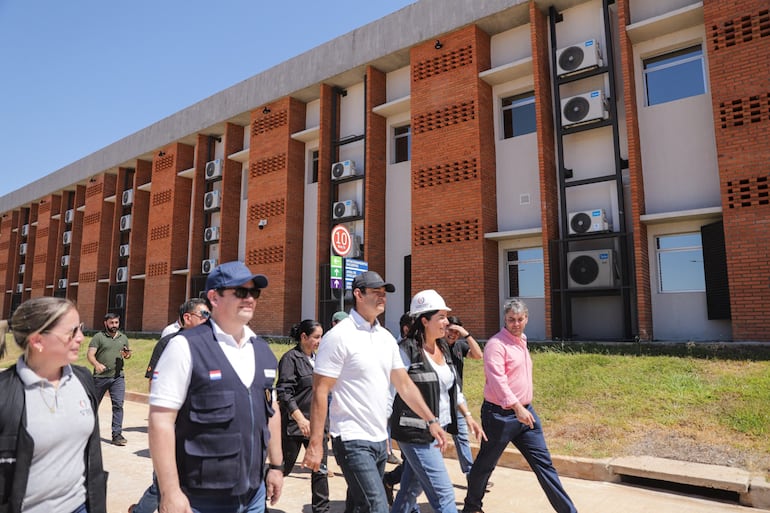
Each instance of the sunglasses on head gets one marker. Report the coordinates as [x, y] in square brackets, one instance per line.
[203, 314]
[243, 292]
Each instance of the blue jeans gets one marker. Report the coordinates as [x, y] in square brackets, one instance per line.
[463, 444]
[117, 388]
[501, 427]
[227, 504]
[149, 501]
[363, 465]
[424, 470]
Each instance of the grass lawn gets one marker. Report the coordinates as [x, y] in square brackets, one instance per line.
[602, 405]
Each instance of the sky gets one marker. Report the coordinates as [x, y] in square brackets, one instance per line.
[76, 76]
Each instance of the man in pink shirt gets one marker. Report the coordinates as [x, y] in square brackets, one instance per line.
[507, 414]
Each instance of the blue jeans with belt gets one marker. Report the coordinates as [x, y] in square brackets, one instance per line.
[501, 427]
[363, 465]
[424, 470]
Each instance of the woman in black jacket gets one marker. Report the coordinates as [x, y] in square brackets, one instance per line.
[50, 453]
[295, 395]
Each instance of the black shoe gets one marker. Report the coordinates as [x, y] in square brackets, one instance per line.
[119, 440]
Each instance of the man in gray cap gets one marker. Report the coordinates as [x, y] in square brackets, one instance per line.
[212, 406]
[357, 362]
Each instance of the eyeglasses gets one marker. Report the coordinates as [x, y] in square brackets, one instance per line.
[70, 334]
[242, 292]
[203, 314]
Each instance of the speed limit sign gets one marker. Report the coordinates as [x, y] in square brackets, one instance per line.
[342, 242]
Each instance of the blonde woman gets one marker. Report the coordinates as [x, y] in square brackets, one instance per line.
[50, 454]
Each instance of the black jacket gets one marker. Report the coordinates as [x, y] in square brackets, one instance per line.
[17, 446]
[407, 426]
[294, 388]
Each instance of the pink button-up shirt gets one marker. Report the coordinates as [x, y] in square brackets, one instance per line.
[508, 370]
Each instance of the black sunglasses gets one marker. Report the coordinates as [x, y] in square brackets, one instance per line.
[242, 292]
[203, 314]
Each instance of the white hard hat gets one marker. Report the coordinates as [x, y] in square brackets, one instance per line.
[427, 301]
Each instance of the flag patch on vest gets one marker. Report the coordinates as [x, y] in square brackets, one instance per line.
[215, 375]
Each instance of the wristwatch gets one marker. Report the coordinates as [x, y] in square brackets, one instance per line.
[273, 466]
[434, 420]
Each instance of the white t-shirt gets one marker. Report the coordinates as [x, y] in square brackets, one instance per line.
[360, 356]
[171, 328]
[172, 374]
[445, 380]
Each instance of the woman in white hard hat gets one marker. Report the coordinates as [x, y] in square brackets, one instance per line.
[429, 363]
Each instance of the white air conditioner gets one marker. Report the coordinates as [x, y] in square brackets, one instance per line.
[214, 169]
[121, 275]
[125, 222]
[128, 197]
[343, 169]
[69, 216]
[22, 268]
[211, 200]
[211, 234]
[62, 283]
[65, 260]
[588, 221]
[24, 230]
[67, 238]
[347, 208]
[120, 300]
[124, 250]
[208, 265]
[23, 248]
[572, 59]
[582, 108]
[19, 288]
[592, 269]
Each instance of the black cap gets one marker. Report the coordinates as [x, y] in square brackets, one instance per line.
[371, 280]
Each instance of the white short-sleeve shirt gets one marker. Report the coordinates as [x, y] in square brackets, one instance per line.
[360, 356]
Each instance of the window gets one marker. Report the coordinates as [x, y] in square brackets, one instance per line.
[402, 143]
[519, 115]
[674, 75]
[314, 166]
[525, 273]
[680, 263]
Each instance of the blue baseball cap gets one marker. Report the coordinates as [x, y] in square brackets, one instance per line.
[233, 274]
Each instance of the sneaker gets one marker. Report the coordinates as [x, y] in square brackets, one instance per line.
[119, 440]
[393, 459]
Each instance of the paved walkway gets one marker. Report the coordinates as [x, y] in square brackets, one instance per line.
[513, 491]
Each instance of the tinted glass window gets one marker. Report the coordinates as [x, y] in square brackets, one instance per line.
[675, 75]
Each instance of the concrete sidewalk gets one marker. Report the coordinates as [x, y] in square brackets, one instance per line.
[514, 490]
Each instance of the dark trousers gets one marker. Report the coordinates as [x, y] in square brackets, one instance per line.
[117, 388]
[501, 427]
[319, 481]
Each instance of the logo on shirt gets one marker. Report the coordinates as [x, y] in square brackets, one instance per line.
[215, 375]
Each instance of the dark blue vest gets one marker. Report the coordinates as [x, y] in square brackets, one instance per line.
[221, 429]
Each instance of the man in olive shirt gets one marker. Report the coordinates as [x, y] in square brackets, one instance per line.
[106, 353]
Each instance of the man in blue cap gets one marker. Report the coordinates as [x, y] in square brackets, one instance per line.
[212, 423]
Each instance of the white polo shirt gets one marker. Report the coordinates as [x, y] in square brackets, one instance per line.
[360, 356]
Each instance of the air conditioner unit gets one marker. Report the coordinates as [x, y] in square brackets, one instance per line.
[128, 197]
[23, 248]
[19, 288]
[582, 108]
[22, 268]
[572, 59]
[24, 230]
[588, 221]
[65, 260]
[67, 238]
[208, 265]
[124, 250]
[211, 234]
[69, 216]
[592, 269]
[125, 222]
[214, 169]
[343, 169]
[211, 200]
[347, 208]
[121, 275]
[120, 301]
[62, 283]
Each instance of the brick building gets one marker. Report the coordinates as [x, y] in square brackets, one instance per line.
[606, 161]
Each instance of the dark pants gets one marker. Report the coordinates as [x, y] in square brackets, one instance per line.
[319, 482]
[117, 388]
[363, 465]
[501, 427]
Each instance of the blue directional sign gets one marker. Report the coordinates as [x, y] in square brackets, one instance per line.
[336, 272]
[353, 268]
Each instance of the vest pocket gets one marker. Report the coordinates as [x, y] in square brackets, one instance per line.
[212, 460]
[213, 408]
